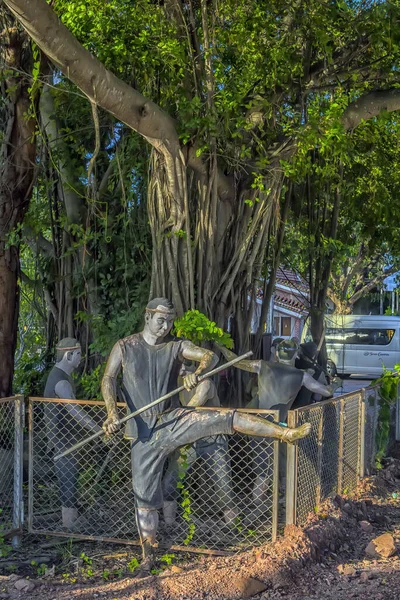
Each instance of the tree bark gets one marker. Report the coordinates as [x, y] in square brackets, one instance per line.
[17, 169]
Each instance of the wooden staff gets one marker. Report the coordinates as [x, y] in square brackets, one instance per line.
[98, 434]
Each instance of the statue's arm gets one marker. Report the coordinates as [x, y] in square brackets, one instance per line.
[316, 387]
[206, 359]
[109, 388]
[252, 366]
[63, 389]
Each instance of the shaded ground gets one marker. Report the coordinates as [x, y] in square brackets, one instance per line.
[326, 559]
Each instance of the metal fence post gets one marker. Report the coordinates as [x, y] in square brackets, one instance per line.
[275, 492]
[18, 503]
[341, 446]
[30, 467]
[319, 459]
[377, 407]
[291, 474]
[361, 454]
[398, 415]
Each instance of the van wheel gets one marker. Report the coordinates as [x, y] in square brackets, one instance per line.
[331, 368]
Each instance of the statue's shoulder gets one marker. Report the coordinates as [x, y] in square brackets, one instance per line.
[131, 340]
[171, 339]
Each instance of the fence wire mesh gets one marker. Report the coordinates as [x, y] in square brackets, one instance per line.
[8, 416]
[328, 461]
[226, 487]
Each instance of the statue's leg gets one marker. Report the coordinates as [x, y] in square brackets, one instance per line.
[184, 426]
[259, 427]
[147, 524]
[262, 465]
[67, 475]
[220, 469]
[148, 459]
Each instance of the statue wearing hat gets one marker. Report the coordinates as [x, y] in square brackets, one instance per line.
[65, 424]
[150, 362]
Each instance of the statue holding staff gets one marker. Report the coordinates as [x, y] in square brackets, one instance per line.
[150, 362]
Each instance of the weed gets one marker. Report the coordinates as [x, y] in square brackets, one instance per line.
[133, 564]
[167, 558]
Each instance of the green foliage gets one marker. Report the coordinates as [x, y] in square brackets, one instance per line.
[5, 549]
[284, 74]
[186, 500]
[31, 358]
[390, 313]
[87, 563]
[40, 569]
[167, 559]
[388, 393]
[197, 328]
[133, 564]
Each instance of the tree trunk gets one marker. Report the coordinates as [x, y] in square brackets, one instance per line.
[17, 168]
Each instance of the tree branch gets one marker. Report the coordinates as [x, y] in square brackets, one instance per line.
[369, 106]
[98, 83]
[374, 282]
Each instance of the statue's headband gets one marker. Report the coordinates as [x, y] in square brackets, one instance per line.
[161, 309]
[68, 349]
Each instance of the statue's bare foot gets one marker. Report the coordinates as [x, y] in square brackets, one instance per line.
[292, 435]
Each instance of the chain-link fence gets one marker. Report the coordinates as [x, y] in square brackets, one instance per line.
[328, 461]
[222, 491]
[226, 488]
[371, 414]
[11, 464]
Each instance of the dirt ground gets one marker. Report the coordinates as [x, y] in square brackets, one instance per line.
[324, 560]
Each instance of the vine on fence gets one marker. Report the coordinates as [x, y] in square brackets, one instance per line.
[186, 500]
[197, 328]
[388, 392]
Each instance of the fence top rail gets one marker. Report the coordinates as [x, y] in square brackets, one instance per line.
[100, 403]
[336, 400]
[71, 401]
[374, 386]
[9, 399]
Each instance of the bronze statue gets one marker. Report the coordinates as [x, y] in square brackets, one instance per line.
[64, 425]
[150, 364]
[279, 384]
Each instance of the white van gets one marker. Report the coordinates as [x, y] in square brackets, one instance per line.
[361, 344]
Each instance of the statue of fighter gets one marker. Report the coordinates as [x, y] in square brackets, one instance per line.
[64, 424]
[307, 361]
[150, 364]
[279, 383]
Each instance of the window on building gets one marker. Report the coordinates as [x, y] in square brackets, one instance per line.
[286, 326]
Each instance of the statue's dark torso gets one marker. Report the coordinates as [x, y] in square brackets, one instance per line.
[149, 372]
[59, 422]
[278, 386]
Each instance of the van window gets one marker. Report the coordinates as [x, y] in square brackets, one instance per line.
[367, 337]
